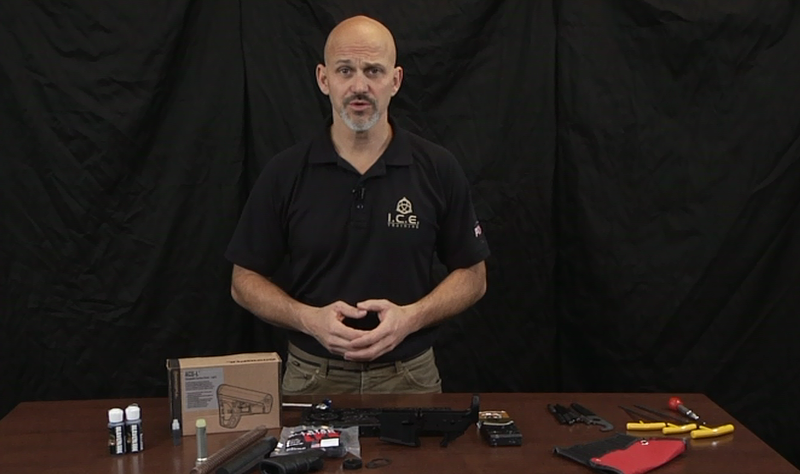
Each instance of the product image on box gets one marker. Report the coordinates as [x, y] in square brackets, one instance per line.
[236, 402]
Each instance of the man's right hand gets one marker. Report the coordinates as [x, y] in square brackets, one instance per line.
[326, 325]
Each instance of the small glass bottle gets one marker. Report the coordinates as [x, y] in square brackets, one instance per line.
[116, 431]
[134, 438]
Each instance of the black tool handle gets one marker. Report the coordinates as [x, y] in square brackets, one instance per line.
[570, 415]
[559, 417]
[582, 410]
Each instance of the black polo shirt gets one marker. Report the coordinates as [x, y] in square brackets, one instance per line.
[354, 237]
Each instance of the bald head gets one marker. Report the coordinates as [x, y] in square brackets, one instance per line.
[359, 74]
[361, 34]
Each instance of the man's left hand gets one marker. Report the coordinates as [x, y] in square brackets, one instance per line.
[395, 325]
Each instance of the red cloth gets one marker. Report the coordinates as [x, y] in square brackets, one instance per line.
[641, 456]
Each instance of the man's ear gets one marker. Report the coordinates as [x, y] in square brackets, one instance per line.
[322, 79]
[397, 80]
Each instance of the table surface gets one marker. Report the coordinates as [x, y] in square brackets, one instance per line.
[71, 437]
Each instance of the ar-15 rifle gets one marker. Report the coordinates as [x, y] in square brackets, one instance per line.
[405, 425]
[396, 425]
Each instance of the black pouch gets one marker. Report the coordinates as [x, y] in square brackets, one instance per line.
[623, 454]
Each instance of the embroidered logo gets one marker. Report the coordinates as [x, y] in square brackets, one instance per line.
[404, 206]
[404, 217]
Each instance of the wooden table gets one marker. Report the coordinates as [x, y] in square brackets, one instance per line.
[70, 437]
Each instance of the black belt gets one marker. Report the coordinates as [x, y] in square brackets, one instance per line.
[351, 366]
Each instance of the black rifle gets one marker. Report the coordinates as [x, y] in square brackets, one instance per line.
[396, 425]
[405, 425]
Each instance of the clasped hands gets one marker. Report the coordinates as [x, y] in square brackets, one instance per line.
[328, 327]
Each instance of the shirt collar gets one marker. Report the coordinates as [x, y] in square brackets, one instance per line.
[398, 153]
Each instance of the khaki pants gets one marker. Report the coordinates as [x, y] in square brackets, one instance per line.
[309, 374]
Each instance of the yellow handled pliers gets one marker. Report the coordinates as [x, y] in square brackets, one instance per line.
[663, 423]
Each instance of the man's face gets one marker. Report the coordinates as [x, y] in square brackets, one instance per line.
[360, 78]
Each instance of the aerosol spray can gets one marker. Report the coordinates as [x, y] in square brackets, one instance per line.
[116, 431]
[134, 439]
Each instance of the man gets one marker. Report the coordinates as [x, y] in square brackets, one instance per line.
[360, 212]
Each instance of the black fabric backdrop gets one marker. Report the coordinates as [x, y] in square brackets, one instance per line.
[634, 162]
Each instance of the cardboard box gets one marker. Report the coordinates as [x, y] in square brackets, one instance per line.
[236, 392]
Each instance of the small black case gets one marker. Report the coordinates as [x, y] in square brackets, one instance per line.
[505, 434]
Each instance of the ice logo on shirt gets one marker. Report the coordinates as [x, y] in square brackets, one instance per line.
[404, 206]
[404, 217]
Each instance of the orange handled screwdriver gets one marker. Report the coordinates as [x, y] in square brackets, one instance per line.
[703, 431]
[676, 404]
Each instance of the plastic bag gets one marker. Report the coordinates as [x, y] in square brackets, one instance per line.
[334, 442]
